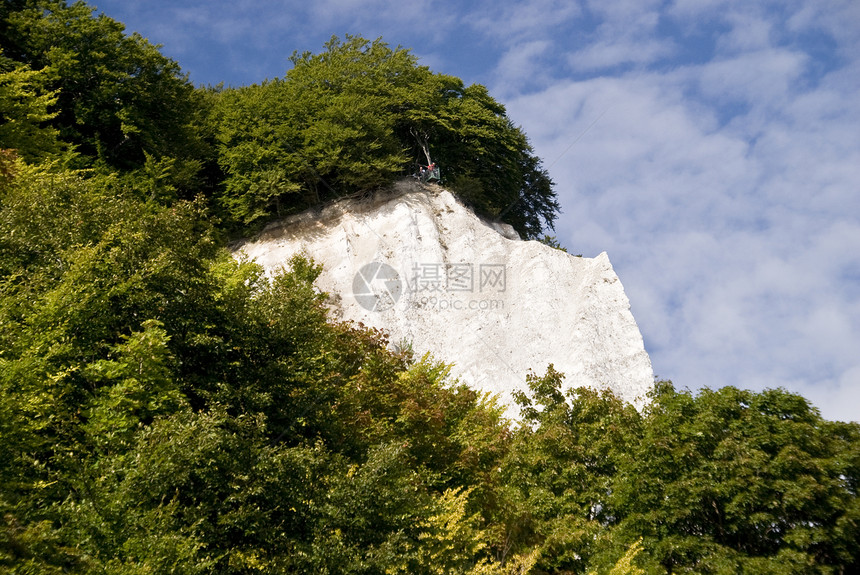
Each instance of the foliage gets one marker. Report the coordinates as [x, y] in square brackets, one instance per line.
[359, 115]
[24, 110]
[552, 242]
[625, 565]
[166, 407]
[724, 481]
[354, 117]
[747, 481]
[117, 97]
[562, 467]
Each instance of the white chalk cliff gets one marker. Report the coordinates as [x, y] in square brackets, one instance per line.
[418, 264]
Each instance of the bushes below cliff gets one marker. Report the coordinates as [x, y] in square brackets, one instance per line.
[164, 407]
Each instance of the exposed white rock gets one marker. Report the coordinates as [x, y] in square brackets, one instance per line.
[468, 291]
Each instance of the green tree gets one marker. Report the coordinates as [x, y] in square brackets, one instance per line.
[165, 405]
[346, 98]
[732, 480]
[490, 163]
[723, 481]
[357, 116]
[254, 134]
[25, 110]
[324, 131]
[561, 472]
[625, 565]
[117, 96]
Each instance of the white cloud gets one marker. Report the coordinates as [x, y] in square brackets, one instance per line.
[836, 18]
[611, 53]
[738, 241]
[837, 399]
[519, 67]
[625, 35]
[516, 22]
[749, 32]
[421, 17]
[760, 79]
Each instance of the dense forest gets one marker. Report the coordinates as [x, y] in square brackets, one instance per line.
[165, 408]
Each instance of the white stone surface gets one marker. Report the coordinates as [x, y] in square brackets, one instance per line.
[552, 307]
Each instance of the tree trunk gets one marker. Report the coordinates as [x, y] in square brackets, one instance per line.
[423, 141]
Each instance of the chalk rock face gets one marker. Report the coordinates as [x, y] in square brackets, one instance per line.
[418, 264]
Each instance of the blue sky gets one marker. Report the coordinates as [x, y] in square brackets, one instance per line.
[712, 148]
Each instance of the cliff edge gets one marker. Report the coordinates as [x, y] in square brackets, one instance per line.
[415, 262]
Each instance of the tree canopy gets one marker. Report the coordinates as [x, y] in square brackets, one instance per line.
[25, 112]
[352, 118]
[357, 116]
[725, 481]
[117, 96]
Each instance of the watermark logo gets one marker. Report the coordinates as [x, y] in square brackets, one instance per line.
[432, 286]
[493, 278]
[438, 277]
[377, 286]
